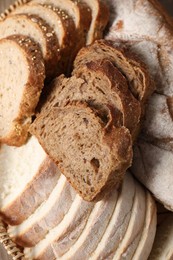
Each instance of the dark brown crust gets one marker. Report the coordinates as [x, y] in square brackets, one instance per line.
[19, 129]
[36, 192]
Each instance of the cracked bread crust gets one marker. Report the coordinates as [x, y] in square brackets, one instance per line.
[18, 130]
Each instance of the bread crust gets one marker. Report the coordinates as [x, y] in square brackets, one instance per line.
[18, 133]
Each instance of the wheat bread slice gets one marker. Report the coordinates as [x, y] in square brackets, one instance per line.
[27, 178]
[36, 28]
[46, 217]
[62, 24]
[149, 230]
[71, 134]
[21, 85]
[163, 244]
[119, 221]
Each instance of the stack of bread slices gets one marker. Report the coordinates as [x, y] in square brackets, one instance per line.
[65, 188]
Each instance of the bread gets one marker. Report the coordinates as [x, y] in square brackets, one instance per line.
[37, 29]
[24, 185]
[22, 79]
[88, 171]
[47, 216]
[163, 244]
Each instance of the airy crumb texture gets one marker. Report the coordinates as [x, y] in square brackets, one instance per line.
[22, 79]
[83, 141]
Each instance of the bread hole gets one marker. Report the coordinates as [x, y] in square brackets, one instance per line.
[85, 121]
[95, 163]
[100, 90]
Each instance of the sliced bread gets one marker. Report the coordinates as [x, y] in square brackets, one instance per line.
[92, 153]
[36, 28]
[27, 178]
[22, 79]
[46, 217]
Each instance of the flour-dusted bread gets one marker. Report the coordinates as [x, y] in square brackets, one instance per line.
[22, 79]
[27, 178]
[36, 28]
[84, 141]
[163, 244]
[47, 216]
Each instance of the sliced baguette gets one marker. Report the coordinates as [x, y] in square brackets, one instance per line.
[27, 178]
[37, 29]
[46, 217]
[20, 88]
[88, 169]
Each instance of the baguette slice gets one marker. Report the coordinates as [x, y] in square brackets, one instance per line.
[46, 217]
[22, 79]
[27, 178]
[92, 153]
[36, 28]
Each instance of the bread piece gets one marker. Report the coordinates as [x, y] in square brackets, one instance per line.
[88, 169]
[46, 217]
[27, 178]
[129, 65]
[37, 29]
[22, 79]
[100, 18]
[153, 43]
[153, 167]
[119, 221]
[100, 83]
[163, 244]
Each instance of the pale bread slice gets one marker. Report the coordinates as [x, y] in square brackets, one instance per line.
[46, 217]
[26, 173]
[22, 80]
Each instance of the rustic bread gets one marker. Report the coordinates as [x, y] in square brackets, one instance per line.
[20, 88]
[75, 151]
[37, 29]
[27, 178]
[46, 217]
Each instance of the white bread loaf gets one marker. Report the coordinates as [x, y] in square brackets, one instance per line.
[27, 178]
[154, 44]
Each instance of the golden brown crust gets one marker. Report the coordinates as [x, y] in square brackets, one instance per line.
[36, 192]
[19, 129]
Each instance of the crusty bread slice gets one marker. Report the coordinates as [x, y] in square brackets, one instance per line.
[119, 222]
[46, 217]
[90, 150]
[100, 18]
[27, 178]
[149, 230]
[163, 244]
[22, 79]
[37, 29]
[128, 63]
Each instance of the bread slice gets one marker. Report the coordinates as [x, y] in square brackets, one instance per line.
[119, 222]
[128, 63]
[100, 18]
[70, 135]
[46, 217]
[36, 28]
[62, 24]
[163, 244]
[27, 178]
[153, 167]
[148, 234]
[20, 88]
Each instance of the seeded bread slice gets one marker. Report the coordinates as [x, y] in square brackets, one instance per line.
[27, 178]
[22, 79]
[36, 28]
[91, 152]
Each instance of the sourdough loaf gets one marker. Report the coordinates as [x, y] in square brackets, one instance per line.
[27, 178]
[94, 154]
[20, 88]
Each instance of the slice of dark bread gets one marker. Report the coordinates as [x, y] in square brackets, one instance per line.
[22, 79]
[130, 66]
[92, 153]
